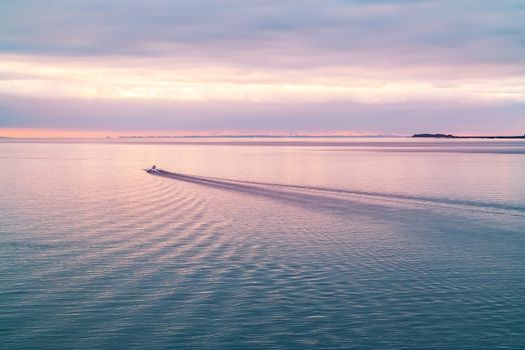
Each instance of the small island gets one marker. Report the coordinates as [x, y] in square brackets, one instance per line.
[450, 136]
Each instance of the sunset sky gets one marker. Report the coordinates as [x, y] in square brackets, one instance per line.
[161, 67]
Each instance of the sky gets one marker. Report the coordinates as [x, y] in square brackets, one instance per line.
[208, 67]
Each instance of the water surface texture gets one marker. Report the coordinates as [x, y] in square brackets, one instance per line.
[262, 244]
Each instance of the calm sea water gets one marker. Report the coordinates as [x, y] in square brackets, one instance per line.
[262, 244]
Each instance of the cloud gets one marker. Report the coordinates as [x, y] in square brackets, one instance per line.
[378, 66]
[140, 116]
[272, 33]
[156, 80]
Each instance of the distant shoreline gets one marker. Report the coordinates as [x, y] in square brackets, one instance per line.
[449, 136]
[247, 137]
[256, 136]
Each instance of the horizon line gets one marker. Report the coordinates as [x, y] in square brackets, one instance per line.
[206, 136]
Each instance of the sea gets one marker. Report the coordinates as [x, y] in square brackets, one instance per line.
[262, 243]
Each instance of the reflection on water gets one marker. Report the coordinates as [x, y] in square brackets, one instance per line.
[367, 244]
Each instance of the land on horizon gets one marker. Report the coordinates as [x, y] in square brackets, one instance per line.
[450, 136]
[269, 136]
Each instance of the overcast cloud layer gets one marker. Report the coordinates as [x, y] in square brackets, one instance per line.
[252, 66]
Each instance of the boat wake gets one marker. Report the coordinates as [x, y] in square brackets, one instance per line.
[311, 193]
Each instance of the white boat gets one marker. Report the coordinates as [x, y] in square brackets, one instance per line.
[153, 169]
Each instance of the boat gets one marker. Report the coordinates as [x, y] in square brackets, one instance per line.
[152, 170]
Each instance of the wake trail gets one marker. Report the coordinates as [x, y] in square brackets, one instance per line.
[253, 187]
